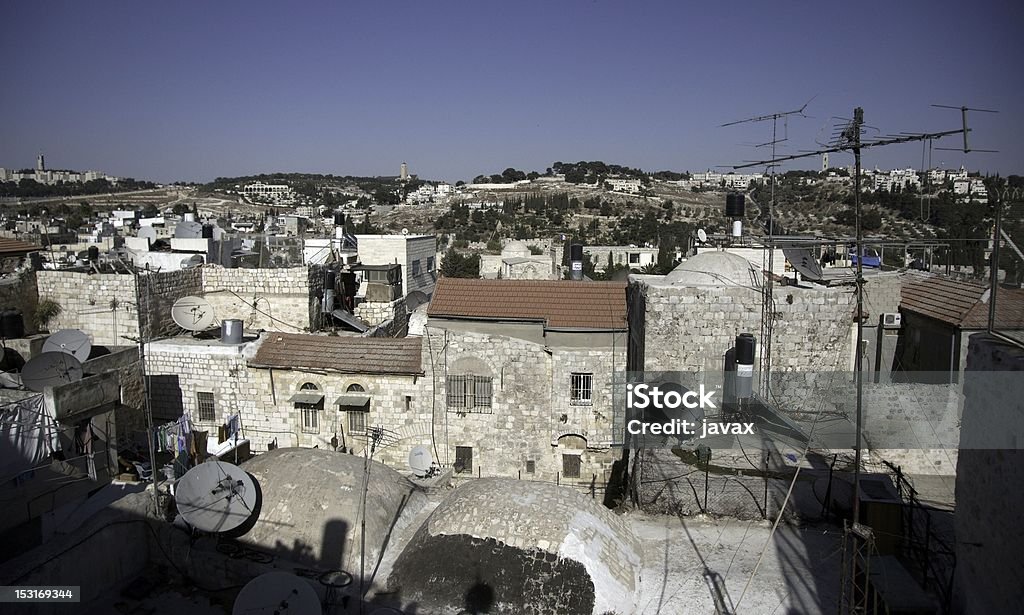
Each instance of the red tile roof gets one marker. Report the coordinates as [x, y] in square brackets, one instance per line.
[963, 304]
[557, 303]
[15, 247]
[940, 298]
[349, 355]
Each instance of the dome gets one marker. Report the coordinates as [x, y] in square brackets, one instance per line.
[310, 506]
[715, 268]
[500, 545]
[515, 248]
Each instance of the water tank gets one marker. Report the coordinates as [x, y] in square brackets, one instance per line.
[734, 205]
[576, 252]
[118, 241]
[330, 279]
[207, 231]
[12, 324]
[94, 254]
[231, 331]
[744, 365]
[339, 219]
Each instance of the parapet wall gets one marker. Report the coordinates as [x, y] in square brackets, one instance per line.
[275, 299]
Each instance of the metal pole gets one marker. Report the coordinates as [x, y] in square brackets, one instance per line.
[994, 267]
[858, 119]
[145, 389]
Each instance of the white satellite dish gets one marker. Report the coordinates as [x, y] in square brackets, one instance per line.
[71, 341]
[216, 497]
[51, 369]
[147, 232]
[188, 230]
[405, 231]
[193, 261]
[277, 592]
[702, 235]
[420, 461]
[193, 314]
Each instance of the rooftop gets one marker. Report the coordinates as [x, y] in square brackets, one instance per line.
[963, 303]
[556, 303]
[350, 355]
[15, 247]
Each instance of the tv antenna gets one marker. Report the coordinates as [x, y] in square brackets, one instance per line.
[767, 302]
[848, 137]
[963, 118]
[377, 437]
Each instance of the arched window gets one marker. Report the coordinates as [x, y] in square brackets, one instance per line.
[309, 401]
[309, 386]
[355, 388]
[356, 404]
[469, 386]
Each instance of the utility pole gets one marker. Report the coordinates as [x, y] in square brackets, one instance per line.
[853, 135]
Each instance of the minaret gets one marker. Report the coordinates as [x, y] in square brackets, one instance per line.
[824, 162]
[404, 173]
[40, 164]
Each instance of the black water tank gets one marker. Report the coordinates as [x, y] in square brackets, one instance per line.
[745, 349]
[734, 205]
[118, 241]
[339, 219]
[207, 231]
[12, 324]
[94, 254]
[330, 279]
[576, 252]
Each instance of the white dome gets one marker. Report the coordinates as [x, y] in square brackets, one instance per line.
[515, 248]
[715, 268]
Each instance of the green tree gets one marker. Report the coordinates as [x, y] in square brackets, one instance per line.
[455, 265]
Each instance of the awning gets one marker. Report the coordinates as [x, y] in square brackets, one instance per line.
[306, 398]
[353, 399]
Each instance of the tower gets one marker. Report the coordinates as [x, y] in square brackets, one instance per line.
[824, 162]
[40, 164]
[404, 173]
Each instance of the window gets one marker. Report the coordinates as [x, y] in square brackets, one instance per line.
[310, 418]
[357, 422]
[207, 409]
[581, 389]
[430, 264]
[634, 258]
[416, 267]
[469, 393]
[463, 459]
[570, 466]
[531, 466]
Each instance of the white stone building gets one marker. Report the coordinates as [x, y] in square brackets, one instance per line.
[417, 254]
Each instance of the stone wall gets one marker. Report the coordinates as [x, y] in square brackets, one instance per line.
[375, 313]
[531, 394]
[19, 292]
[286, 299]
[988, 495]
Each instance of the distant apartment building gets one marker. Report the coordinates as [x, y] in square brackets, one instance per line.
[628, 256]
[970, 188]
[629, 185]
[268, 192]
[897, 179]
[43, 175]
[427, 193]
[734, 181]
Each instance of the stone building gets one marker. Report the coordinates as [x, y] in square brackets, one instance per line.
[295, 390]
[516, 262]
[522, 374]
[417, 254]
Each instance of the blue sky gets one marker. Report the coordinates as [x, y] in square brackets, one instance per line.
[195, 90]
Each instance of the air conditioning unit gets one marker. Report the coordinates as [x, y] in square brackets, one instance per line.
[892, 320]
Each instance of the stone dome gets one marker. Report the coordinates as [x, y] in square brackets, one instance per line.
[309, 510]
[514, 249]
[500, 545]
[715, 268]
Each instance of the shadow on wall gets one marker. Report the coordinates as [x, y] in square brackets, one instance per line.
[166, 396]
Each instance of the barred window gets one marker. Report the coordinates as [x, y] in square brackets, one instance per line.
[310, 418]
[463, 459]
[357, 422]
[581, 389]
[531, 466]
[205, 404]
[469, 393]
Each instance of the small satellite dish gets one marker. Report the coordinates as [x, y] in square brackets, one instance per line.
[194, 261]
[216, 497]
[405, 231]
[51, 369]
[415, 299]
[10, 380]
[146, 232]
[70, 341]
[188, 230]
[193, 314]
[276, 592]
[702, 236]
[420, 461]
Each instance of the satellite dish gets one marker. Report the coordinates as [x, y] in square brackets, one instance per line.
[193, 261]
[420, 461]
[415, 299]
[51, 369]
[10, 380]
[146, 232]
[70, 341]
[216, 497]
[193, 314]
[702, 236]
[276, 592]
[188, 230]
[405, 231]
[804, 262]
